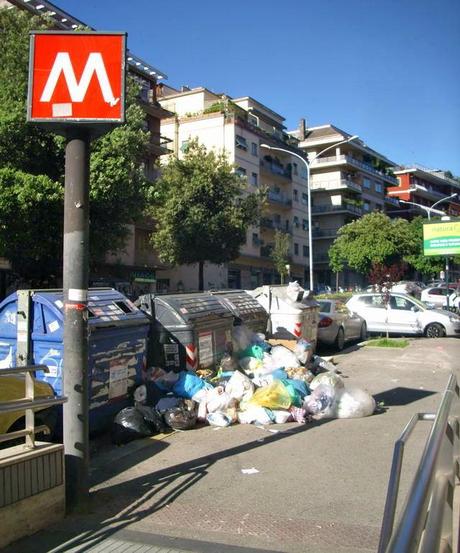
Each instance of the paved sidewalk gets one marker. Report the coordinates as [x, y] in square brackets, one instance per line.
[319, 488]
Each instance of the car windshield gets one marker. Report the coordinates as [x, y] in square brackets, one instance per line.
[419, 303]
[324, 306]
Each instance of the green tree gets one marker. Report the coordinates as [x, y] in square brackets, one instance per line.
[201, 210]
[280, 253]
[372, 239]
[118, 188]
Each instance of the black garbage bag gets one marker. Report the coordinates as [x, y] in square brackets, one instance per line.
[153, 418]
[128, 425]
[182, 417]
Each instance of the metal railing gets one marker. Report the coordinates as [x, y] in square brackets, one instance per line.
[426, 521]
[29, 404]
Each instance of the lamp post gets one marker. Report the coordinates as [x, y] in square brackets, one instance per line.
[308, 162]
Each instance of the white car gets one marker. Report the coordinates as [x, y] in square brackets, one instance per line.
[403, 315]
[407, 287]
[437, 295]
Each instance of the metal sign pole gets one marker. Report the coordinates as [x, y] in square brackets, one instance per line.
[75, 284]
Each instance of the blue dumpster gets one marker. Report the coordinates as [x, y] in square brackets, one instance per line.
[117, 345]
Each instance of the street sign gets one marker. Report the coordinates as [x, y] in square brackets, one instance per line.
[441, 238]
[76, 78]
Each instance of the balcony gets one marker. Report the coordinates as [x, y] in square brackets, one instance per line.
[344, 208]
[279, 199]
[324, 233]
[391, 200]
[274, 225]
[276, 169]
[343, 159]
[429, 192]
[159, 144]
[343, 184]
[321, 258]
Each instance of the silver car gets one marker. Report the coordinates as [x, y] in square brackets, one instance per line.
[338, 325]
[404, 314]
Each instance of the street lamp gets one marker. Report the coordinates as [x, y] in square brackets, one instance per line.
[308, 162]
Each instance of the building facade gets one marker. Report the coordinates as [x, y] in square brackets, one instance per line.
[425, 187]
[347, 181]
[239, 127]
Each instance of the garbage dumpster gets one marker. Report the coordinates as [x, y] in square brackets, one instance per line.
[293, 312]
[246, 309]
[117, 345]
[190, 331]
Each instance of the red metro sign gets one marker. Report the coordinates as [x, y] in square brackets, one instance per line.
[77, 77]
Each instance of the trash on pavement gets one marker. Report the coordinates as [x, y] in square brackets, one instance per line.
[249, 471]
[182, 417]
[354, 403]
[130, 424]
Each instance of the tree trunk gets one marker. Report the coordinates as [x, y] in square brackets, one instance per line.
[201, 276]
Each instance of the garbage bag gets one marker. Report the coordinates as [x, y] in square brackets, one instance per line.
[218, 399]
[321, 402]
[153, 418]
[182, 417]
[263, 379]
[300, 373]
[239, 386]
[303, 351]
[354, 403]
[273, 396]
[241, 338]
[281, 416]
[129, 424]
[189, 384]
[258, 415]
[253, 350]
[165, 380]
[283, 357]
[299, 414]
[140, 394]
[293, 291]
[167, 403]
[219, 419]
[328, 378]
[318, 365]
[300, 386]
[251, 365]
[228, 363]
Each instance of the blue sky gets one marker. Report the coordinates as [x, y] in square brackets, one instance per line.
[387, 70]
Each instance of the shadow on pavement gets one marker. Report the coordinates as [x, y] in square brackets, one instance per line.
[401, 396]
[113, 508]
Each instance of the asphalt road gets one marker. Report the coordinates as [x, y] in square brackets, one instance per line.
[318, 487]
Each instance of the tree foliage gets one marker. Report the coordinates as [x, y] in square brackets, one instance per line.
[201, 210]
[118, 188]
[372, 239]
[280, 253]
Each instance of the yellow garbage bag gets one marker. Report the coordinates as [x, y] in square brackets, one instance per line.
[273, 396]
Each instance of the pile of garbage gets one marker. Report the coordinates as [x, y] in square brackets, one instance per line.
[261, 382]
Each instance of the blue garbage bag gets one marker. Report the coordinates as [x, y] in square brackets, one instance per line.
[188, 384]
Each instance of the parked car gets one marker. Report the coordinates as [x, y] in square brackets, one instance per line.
[338, 325]
[404, 315]
[13, 387]
[437, 295]
[407, 287]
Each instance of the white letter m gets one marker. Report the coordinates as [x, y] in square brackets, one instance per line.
[77, 91]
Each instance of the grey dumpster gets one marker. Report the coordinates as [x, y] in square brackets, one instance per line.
[246, 310]
[189, 331]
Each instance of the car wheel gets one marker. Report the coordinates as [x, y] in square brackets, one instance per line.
[435, 330]
[340, 340]
[363, 334]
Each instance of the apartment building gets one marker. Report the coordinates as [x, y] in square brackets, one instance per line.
[347, 180]
[238, 127]
[425, 187]
[133, 269]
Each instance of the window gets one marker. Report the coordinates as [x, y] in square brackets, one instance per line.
[241, 143]
[366, 206]
[184, 146]
[304, 198]
[304, 224]
[253, 119]
[254, 149]
[296, 249]
[241, 172]
[303, 172]
[296, 195]
[254, 179]
[378, 187]
[305, 251]
[397, 302]
[373, 301]
[295, 169]
[255, 239]
[296, 221]
[366, 183]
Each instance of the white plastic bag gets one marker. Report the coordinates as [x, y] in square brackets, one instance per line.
[354, 403]
[281, 416]
[218, 400]
[251, 364]
[293, 290]
[254, 414]
[241, 337]
[328, 378]
[239, 387]
[321, 402]
[303, 351]
[219, 419]
[283, 358]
